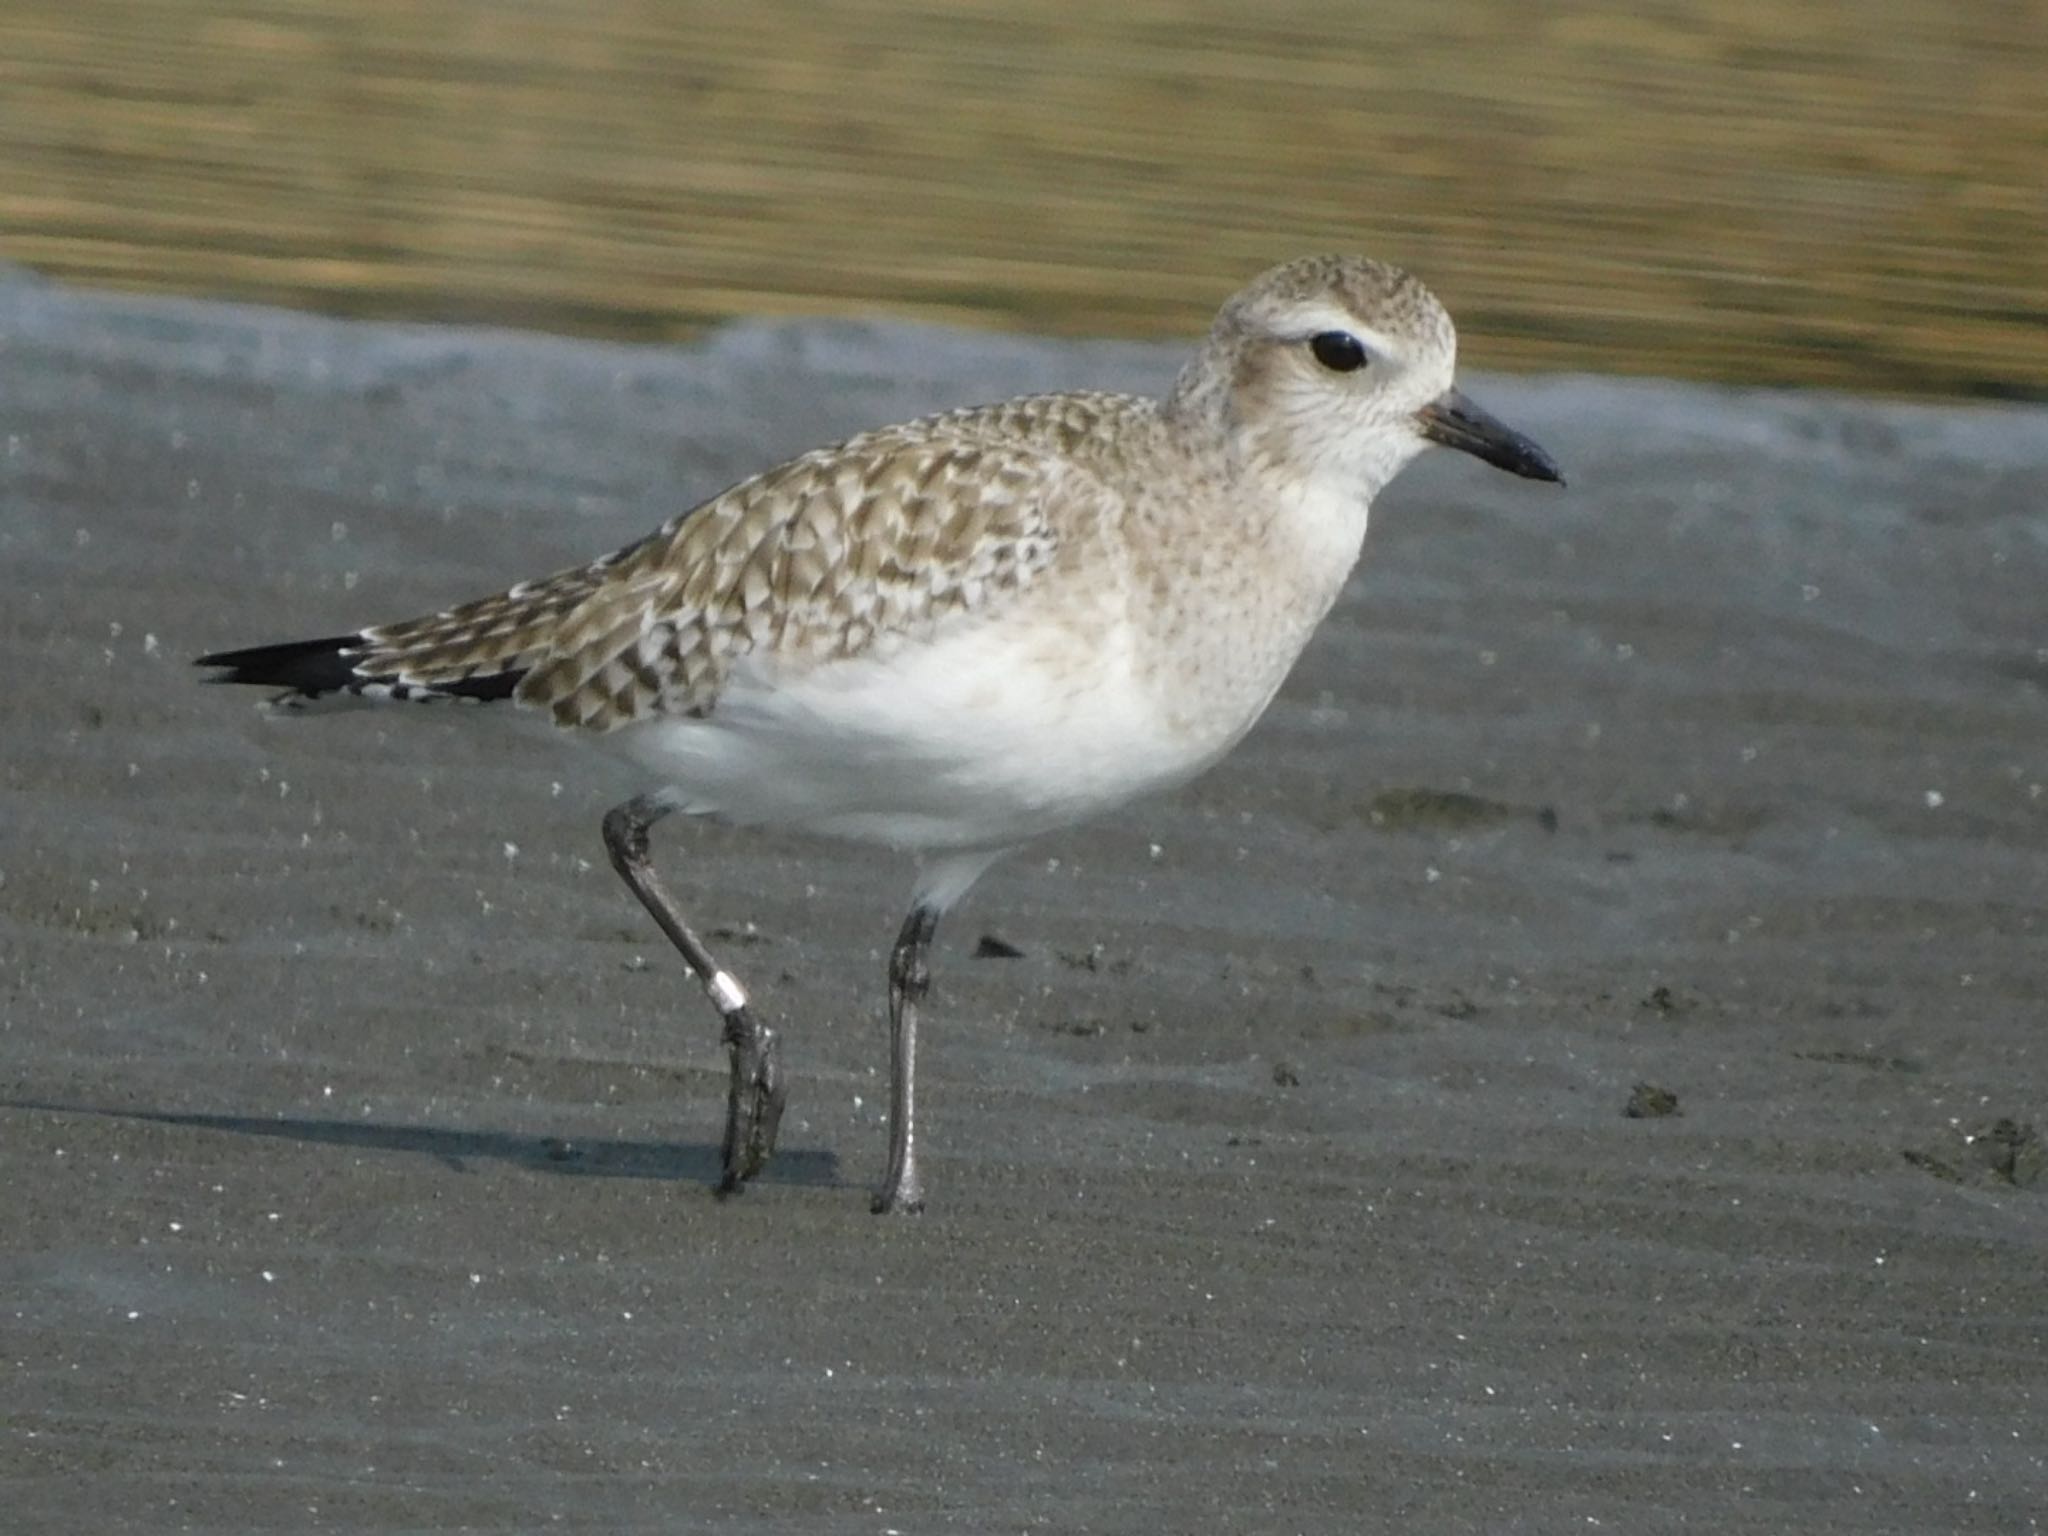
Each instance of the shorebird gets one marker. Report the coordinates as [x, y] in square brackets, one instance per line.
[952, 635]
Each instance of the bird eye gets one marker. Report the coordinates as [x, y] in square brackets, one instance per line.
[1338, 351]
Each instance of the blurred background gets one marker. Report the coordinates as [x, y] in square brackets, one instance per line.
[1852, 195]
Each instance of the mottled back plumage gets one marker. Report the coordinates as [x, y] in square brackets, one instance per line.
[864, 544]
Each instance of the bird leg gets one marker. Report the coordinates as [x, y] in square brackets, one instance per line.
[910, 976]
[753, 1107]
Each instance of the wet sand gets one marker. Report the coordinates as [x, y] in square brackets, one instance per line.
[358, 1130]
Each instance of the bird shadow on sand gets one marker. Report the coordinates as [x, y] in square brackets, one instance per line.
[579, 1157]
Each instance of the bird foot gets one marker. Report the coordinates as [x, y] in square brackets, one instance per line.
[753, 1109]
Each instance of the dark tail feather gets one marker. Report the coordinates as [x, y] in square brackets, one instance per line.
[312, 669]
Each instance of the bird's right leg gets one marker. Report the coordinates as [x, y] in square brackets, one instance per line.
[754, 1104]
[910, 977]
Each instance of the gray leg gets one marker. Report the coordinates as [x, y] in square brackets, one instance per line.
[753, 1107]
[910, 976]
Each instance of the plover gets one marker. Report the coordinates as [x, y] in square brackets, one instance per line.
[949, 636]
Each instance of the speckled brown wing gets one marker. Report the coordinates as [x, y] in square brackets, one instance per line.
[824, 557]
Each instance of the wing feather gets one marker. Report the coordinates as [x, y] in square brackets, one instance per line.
[827, 556]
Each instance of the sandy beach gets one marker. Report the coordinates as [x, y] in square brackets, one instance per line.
[358, 1130]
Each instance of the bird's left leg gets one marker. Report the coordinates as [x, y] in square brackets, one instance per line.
[754, 1102]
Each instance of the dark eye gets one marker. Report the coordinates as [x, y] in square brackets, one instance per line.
[1338, 351]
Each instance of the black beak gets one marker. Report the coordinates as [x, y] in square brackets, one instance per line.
[1457, 423]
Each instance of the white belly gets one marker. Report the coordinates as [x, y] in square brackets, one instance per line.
[985, 735]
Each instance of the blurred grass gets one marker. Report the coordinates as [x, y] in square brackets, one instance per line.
[1851, 195]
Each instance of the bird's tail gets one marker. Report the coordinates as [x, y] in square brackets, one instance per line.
[339, 667]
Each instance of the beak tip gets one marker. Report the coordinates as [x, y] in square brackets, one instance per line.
[1530, 462]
